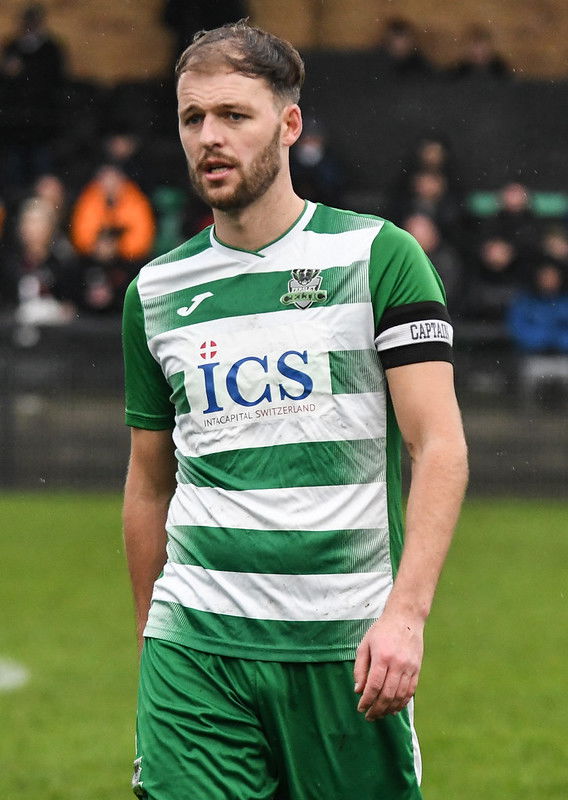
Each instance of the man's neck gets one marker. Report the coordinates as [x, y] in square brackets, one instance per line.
[262, 222]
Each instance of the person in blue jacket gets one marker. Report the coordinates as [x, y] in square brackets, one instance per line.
[538, 318]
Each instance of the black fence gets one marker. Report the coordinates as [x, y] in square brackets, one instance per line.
[61, 411]
[61, 418]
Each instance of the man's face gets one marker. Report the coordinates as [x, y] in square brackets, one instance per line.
[230, 128]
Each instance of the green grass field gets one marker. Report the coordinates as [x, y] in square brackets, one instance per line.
[491, 710]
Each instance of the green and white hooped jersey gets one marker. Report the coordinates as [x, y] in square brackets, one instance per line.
[285, 530]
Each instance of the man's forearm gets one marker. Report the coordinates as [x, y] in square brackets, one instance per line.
[439, 478]
[389, 658]
[145, 544]
[150, 484]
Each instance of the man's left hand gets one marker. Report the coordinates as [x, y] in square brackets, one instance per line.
[388, 664]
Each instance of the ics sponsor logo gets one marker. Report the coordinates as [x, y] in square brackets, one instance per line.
[254, 380]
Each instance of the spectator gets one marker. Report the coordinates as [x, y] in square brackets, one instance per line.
[32, 68]
[123, 147]
[444, 257]
[37, 276]
[498, 277]
[103, 276]
[432, 153]
[538, 318]
[555, 245]
[515, 220]
[399, 54]
[50, 187]
[112, 201]
[429, 195]
[480, 59]
[185, 18]
[316, 172]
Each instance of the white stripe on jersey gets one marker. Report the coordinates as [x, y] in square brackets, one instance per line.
[315, 330]
[418, 332]
[158, 279]
[346, 417]
[298, 598]
[316, 251]
[323, 250]
[346, 326]
[306, 508]
[415, 744]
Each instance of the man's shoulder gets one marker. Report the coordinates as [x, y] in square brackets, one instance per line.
[385, 234]
[327, 219]
[192, 247]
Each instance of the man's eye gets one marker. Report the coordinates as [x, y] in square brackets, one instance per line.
[235, 116]
[193, 119]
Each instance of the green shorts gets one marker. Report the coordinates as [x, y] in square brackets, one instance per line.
[211, 727]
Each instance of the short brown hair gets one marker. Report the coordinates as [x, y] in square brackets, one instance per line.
[250, 51]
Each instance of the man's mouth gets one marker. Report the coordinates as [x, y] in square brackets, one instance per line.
[215, 169]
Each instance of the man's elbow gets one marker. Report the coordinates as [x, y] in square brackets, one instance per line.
[446, 453]
[461, 460]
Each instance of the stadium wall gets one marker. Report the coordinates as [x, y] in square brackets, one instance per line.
[127, 40]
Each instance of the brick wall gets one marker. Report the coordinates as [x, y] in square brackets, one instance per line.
[125, 39]
[531, 34]
[106, 40]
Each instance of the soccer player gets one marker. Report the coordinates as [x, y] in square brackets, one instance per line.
[288, 347]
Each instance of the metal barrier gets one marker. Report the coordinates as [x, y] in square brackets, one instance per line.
[61, 408]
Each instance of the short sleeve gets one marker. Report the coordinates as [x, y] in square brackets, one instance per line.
[148, 403]
[412, 323]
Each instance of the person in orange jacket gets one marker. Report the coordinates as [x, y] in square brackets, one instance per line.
[113, 201]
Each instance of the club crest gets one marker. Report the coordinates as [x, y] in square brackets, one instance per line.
[304, 289]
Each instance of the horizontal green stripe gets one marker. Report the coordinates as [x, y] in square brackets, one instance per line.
[179, 394]
[196, 245]
[332, 220]
[279, 552]
[355, 371]
[265, 640]
[250, 294]
[287, 465]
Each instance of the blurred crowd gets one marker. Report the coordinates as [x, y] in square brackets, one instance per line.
[81, 209]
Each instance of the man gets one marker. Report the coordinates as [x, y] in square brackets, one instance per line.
[264, 343]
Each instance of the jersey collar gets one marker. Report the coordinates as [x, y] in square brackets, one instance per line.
[251, 256]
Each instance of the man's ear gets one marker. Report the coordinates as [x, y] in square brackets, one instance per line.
[291, 124]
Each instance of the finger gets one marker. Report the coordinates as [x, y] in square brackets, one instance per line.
[361, 668]
[402, 695]
[413, 684]
[373, 686]
[385, 698]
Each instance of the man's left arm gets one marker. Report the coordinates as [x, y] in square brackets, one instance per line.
[389, 657]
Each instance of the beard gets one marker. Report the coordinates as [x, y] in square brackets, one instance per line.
[257, 179]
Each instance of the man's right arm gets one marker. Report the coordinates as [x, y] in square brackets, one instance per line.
[150, 484]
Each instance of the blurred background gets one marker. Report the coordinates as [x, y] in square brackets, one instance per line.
[452, 124]
[449, 118]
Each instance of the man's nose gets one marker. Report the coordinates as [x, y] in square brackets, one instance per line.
[211, 132]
